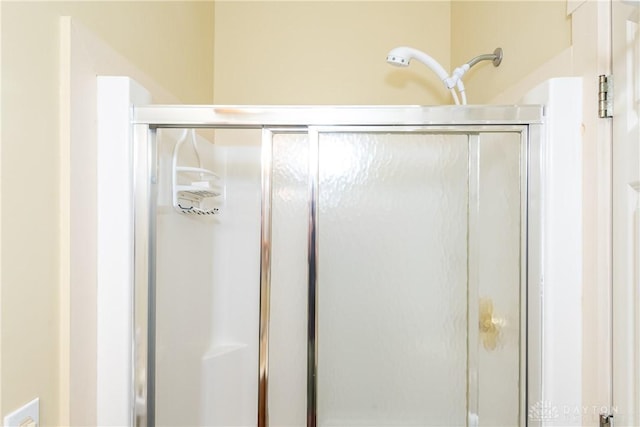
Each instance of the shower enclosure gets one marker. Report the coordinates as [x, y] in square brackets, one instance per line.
[336, 266]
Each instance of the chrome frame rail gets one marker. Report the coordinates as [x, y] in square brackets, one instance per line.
[265, 279]
[525, 297]
[143, 307]
[280, 116]
[312, 309]
[151, 297]
[473, 278]
[531, 312]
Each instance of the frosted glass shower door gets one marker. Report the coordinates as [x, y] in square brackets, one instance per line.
[392, 279]
[404, 282]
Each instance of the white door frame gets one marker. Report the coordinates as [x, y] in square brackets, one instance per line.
[626, 212]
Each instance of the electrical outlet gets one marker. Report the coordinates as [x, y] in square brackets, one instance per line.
[27, 416]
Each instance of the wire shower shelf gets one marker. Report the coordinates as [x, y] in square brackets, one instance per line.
[195, 190]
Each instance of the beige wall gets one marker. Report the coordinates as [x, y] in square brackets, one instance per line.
[325, 52]
[170, 41]
[530, 33]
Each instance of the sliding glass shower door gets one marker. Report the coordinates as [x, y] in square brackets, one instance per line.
[371, 272]
[413, 281]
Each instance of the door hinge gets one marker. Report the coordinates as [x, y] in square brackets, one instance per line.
[605, 96]
[606, 420]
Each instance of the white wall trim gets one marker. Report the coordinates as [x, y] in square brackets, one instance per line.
[561, 287]
[116, 95]
[83, 56]
[588, 57]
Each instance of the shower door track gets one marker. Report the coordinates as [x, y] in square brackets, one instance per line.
[315, 120]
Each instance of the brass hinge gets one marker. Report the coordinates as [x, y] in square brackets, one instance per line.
[605, 96]
[606, 420]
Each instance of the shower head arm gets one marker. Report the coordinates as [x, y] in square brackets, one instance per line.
[495, 57]
[456, 76]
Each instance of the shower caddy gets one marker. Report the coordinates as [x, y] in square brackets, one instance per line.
[194, 189]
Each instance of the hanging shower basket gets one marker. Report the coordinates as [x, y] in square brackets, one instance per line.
[195, 190]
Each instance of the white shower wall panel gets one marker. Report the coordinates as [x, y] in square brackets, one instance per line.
[184, 297]
[230, 388]
[207, 291]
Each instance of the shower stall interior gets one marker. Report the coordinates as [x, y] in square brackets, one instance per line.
[336, 266]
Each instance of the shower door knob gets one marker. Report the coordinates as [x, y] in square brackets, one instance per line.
[489, 325]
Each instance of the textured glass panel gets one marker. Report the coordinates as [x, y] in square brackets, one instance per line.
[392, 285]
[287, 332]
[498, 258]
